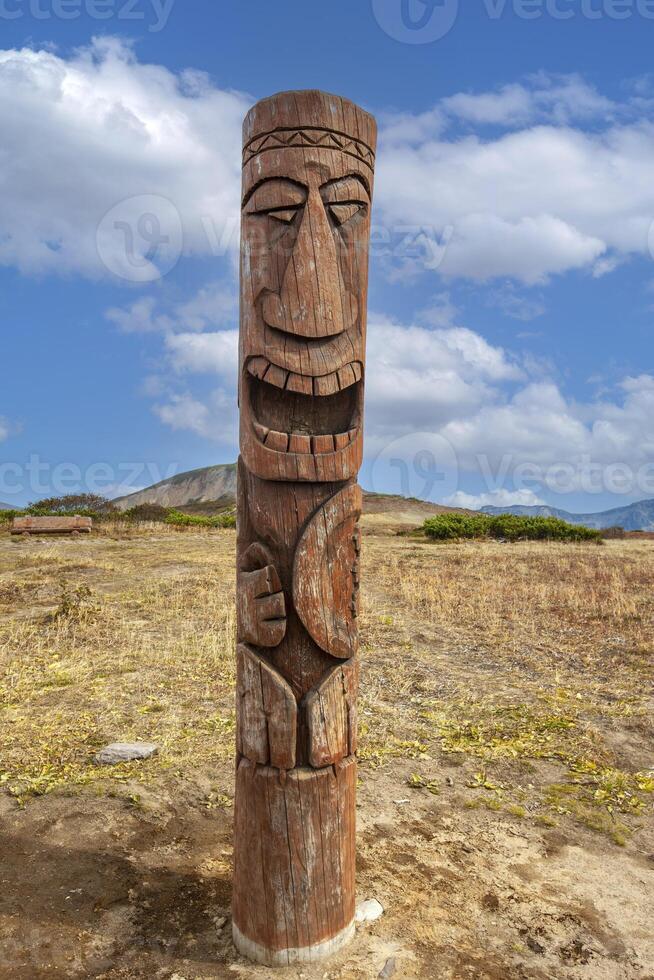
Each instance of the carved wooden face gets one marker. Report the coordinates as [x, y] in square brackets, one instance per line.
[305, 233]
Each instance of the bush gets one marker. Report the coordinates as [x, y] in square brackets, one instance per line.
[78, 504]
[613, 533]
[178, 519]
[147, 512]
[7, 516]
[506, 527]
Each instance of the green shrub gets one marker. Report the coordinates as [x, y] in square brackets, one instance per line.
[505, 527]
[146, 513]
[178, 519]
[7, 516]
[74, 504]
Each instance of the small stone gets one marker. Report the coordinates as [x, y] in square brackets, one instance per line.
[390, 969]
[220, 922]
[449, 781]
[112, 755]
[369, 911]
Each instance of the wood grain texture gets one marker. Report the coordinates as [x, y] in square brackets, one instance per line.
[261, 601]
[331, 713]
[52, 525]
[308, 166]
[267, 712]
[326, 574]
[294, 855]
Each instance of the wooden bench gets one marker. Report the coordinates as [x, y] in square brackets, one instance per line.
[52, 525]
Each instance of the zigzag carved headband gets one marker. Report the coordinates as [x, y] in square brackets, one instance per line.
[309, 136]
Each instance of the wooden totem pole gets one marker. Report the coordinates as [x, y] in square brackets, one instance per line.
[308, 162]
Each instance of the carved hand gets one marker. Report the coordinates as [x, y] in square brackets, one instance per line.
[262, 605]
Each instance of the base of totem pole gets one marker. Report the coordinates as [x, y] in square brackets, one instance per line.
[294, 891]
[287, 957]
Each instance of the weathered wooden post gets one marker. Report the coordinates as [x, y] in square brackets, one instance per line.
[308, 162]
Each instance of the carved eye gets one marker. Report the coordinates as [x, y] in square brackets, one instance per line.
[286, 215]
[277, 198]
[341, 213]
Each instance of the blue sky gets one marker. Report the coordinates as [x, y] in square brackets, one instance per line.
[512, 283]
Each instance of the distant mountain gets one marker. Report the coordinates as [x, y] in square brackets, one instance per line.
[632, 517]
[215, 487]
[211, 483]
[4, 506]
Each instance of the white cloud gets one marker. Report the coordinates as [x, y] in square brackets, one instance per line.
[214, 419]
[497, 411]
[519, 306]
[185, 412]
[201, 353]
[214, 305]
[188, 351]
[503, 416]
[511, 104]
[560, 99]
[417, 377]
[81, 135]
[140, 317]
[535, 425]
[497, 498]
[542, 197]
[4, 428]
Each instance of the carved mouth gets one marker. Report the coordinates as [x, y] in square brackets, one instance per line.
[301, 414]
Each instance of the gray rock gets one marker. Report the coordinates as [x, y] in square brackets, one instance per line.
[118, 752]
[369, 911]
[390, 969]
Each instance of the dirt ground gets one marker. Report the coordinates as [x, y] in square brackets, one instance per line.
[506, 774]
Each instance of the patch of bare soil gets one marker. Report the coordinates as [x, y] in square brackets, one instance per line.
[504, 817]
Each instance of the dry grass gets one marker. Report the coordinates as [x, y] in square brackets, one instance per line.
[505, 714]
[519, 657]
[488, 652]
[135, 641]
[560, 597]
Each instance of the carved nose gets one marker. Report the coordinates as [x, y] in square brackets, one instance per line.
[313, 301]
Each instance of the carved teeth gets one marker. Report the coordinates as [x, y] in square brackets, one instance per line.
[326, 384]
[298, 442]
[322, 444]
[300, 383]
[277, 441]
[258, 367]
[276, 376]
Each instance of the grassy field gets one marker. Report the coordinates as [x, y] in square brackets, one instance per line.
[507, 758]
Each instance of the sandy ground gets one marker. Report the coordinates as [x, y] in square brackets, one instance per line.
[486, 841]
